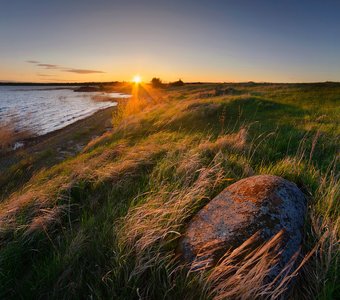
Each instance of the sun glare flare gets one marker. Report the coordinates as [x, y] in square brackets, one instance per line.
[137, 79]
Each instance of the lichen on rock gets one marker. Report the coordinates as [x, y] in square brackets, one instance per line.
[266, 204]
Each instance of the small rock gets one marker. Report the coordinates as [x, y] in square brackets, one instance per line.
[262, 203]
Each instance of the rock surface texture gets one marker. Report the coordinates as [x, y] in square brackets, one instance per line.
[262, 203]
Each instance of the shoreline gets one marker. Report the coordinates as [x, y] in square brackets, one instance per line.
[61, 143]
[31, 141]
[21, 138]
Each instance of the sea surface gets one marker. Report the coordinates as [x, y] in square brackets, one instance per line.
[42, 109]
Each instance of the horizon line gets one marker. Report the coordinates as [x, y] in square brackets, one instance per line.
[13, 82]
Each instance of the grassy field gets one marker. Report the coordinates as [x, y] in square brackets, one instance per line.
[105, 223]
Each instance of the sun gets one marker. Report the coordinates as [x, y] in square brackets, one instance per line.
[137, 79]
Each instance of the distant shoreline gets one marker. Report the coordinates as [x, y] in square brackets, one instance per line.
[56, 83]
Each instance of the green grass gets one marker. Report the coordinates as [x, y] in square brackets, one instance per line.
[105, 223]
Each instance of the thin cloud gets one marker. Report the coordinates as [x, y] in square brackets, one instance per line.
[49, 66]
[61, 80]
[45, 75]
[63, 69]
[82, 71]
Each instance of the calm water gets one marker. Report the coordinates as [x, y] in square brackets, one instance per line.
[45, 109]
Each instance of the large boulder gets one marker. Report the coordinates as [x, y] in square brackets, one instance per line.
[264, 203]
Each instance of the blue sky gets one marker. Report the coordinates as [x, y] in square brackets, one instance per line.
[278, 41]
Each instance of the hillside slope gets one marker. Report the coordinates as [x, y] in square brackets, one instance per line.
[105, 223]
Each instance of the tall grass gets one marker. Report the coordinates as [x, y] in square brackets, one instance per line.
[106, 223]
[9, 136]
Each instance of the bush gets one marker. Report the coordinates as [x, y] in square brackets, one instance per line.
[176, 83]
[156, 82]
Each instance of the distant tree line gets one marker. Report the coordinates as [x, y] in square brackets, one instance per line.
[157, 83]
